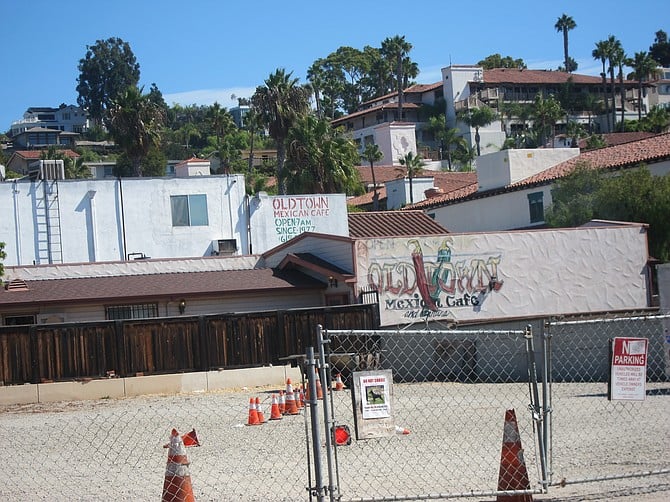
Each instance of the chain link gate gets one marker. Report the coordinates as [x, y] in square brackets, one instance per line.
[596, 439]
[451, 391]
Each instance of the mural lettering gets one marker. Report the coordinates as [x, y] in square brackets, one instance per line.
[428, 289]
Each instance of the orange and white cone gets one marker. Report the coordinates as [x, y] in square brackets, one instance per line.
[253, 413]
[319, 389]
[177, 485]
[339, 384]
[190, 439]
[275, 414]
[291, 406]
[282, 402]
[301, 398]
[513, 474]
[259, 411]
[401, 430]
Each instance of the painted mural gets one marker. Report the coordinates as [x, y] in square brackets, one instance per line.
[498, 275]
[433, 279]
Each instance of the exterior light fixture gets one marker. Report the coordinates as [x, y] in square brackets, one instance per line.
[332, 282]
[182, 306]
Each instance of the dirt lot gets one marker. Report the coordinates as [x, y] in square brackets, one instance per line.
[113, 449]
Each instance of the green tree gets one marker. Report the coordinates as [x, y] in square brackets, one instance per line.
[3, 255]
[465, 155]
[660, 50]
[657, 120]
[413, 165]
[221, 123]
[477, 117]
[320, 159]
[644, 67]
[396, 49]
[614, 53]
[546, 112]
[564, 24]
[497, 61]
[373, 154]
[106, 71]
[135, 124]
[448, 138]
[632, 195]
[279, 104]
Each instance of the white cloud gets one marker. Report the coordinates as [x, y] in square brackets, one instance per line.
[206, 97]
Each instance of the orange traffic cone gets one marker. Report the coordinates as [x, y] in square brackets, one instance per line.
[259, 411]
[291, 406]
[190, 439]
[401, 430]
[275, 414]
[282, 402]
[339, 384]
[253, 413]
[177, 485]
[319, 390]
[513, 474]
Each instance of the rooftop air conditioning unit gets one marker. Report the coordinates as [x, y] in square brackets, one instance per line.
[224, 247]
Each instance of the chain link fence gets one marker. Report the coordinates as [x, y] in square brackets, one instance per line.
[451, 391]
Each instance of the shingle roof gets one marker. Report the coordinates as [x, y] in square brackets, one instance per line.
[134, 287]
[392, 224]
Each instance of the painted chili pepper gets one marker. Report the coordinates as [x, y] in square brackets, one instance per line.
[420, 272]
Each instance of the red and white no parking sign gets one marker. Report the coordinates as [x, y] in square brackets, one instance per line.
[628, 380]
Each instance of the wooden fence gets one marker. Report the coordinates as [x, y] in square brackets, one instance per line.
[53, 352]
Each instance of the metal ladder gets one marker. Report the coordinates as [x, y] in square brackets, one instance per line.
[47, 212]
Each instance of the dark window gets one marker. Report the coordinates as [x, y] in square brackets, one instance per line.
[140, 311]
[14, 320]
[536, 207]
[189, 210]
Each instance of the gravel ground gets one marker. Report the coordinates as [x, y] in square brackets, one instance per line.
[99, 450]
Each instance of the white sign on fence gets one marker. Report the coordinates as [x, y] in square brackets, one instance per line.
[628, 369]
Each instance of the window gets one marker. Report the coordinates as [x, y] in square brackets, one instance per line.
[15, 320]
[536, 207]
[189, 210]
[140, 311]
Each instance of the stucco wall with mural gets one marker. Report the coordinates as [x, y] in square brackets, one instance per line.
[506, 275]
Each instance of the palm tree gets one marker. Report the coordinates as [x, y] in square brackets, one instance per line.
[373, 154]
[478, 117]
[397, 48]
[221, 122]
[320, 159]
[601, 52]
[135, 123]
[279, 103]
[414, 167]
[644, 67]
[564, 24]
[614, 52]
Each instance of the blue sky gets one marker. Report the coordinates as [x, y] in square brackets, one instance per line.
[203, 51]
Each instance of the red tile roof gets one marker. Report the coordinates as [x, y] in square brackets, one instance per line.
[654, 149]
[392, 224]
[367, 111]
[516, 76]
[412, 89]
[648, 150]
[617, 138]
[37, 154]
[143, 287]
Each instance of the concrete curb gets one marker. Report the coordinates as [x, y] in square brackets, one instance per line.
[175, 383]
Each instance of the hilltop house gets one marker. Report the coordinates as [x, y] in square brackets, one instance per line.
[469, 86]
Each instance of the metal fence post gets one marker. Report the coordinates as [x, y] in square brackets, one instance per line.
[325, 380]
[310, 364]
[535, 402]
